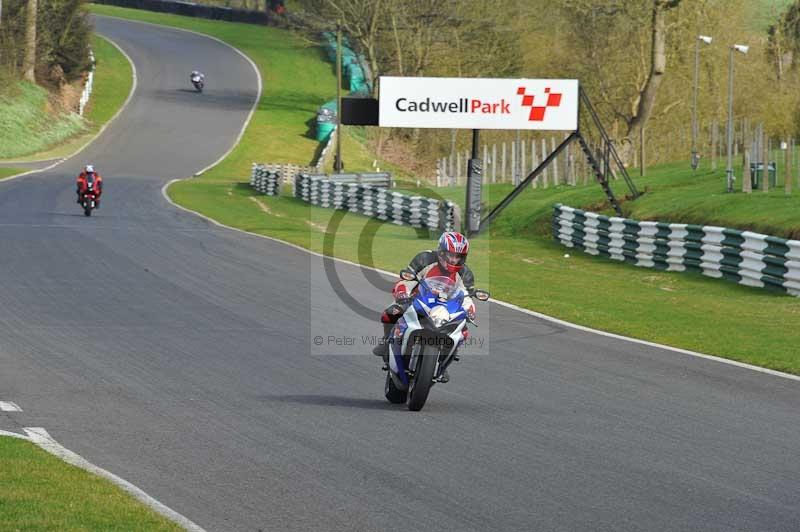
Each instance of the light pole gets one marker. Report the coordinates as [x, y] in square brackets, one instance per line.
[695, 155]
[729, 172]
[337, 160]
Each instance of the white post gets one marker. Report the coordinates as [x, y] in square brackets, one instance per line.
[494, 163]
[503, 166]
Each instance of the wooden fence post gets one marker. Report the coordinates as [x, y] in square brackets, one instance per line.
[503, 167]
[534, 164]
[765, 157]
[544, 156]
[514, 173]
[714, 134]
[642, 161]
[494, 163]
[747, 178]
[787, 171]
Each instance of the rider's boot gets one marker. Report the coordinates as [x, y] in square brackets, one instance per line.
[382, 349]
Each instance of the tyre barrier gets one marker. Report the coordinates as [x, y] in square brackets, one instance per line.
[744, 257]
[378, 202]
[265, 180]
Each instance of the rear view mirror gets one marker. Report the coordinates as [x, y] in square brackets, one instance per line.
[481, 295]
[408, 275]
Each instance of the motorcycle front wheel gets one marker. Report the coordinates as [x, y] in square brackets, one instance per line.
[423, 379]
[87, 211]
[393, 395]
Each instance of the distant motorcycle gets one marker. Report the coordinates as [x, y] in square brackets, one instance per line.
[89, 198]
[426, 339]
[198, 80]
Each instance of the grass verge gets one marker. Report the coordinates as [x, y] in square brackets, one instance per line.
[8, 172]
[41, 492]
[518, 261]
[113, 81]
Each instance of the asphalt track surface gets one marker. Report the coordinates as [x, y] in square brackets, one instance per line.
[178, 355]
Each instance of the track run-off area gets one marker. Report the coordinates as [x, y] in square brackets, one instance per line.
[178, 355]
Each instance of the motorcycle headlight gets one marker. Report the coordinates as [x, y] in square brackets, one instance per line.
[439, 316]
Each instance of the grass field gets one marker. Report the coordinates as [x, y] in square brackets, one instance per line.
[518, 261]
[40, 492]
[51, 139]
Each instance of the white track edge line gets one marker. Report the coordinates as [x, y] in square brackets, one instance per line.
[245, 56]
[512, 306]
[14, 435]
[8, 406]
[40, 437]
[102, 129]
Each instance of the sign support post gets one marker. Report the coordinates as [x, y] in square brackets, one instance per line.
[474, 184]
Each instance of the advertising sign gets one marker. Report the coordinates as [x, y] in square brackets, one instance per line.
[479, 103]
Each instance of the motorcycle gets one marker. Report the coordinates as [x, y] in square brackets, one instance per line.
[426, 339]
[89, 198]
[197, 81]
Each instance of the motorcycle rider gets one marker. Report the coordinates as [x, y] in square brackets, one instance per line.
[447, 261]
[87, 174]
[198, 74]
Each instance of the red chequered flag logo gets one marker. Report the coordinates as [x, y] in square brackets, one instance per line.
[538, 111]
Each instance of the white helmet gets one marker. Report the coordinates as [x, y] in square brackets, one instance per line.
[89, 169]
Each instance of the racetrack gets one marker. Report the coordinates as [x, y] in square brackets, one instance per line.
[178, 355]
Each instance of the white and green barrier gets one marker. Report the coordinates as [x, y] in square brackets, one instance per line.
[378, 202]
[265, 179]
[744, 257]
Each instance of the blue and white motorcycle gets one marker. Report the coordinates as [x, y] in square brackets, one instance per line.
[426, 339]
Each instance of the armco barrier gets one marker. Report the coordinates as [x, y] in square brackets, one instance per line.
[190, 9]
[746, 258]
[378, 202]
[88, 86]
[265, 180]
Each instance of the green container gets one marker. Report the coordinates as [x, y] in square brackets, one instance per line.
[324, 130]
[757, 171]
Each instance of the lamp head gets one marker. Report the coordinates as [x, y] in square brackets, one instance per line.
[705, 38]
[741, 48]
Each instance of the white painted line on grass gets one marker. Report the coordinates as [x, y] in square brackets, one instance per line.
[94, 138]
[40, 437]
[503, 303]
[8, 406]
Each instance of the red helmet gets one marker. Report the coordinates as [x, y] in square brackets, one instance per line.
[452, 251]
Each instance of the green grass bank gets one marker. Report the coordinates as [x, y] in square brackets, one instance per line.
[33, 134]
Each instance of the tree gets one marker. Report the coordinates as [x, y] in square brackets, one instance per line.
[29, 63]
[361, 21]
